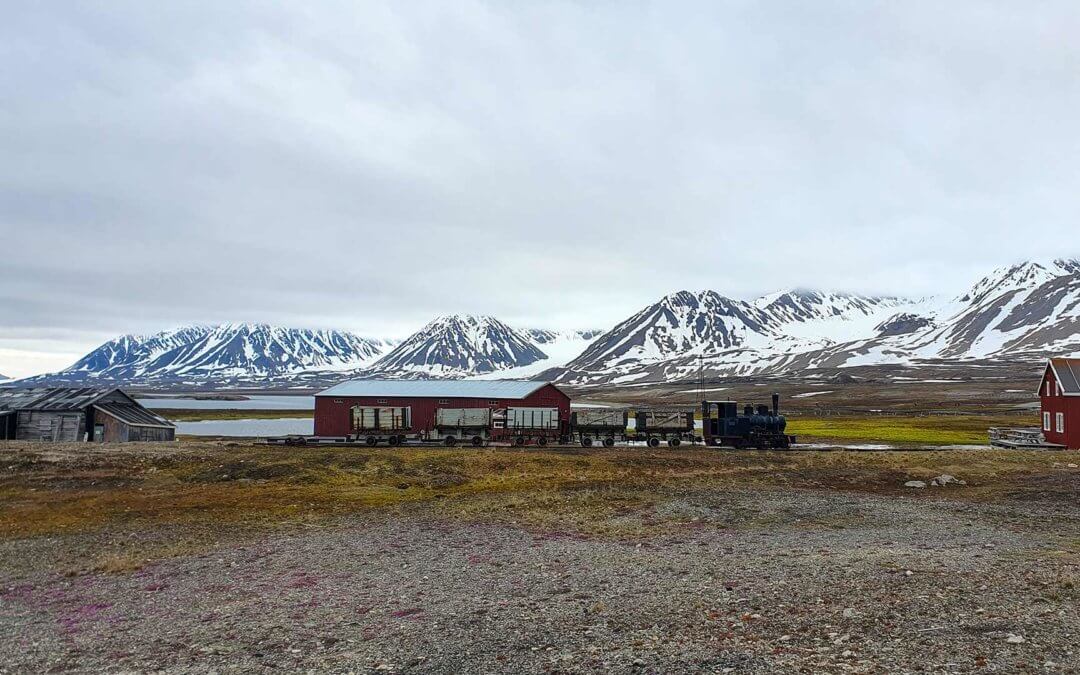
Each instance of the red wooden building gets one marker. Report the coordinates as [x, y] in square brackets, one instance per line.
[1060, 395]
[333, 406]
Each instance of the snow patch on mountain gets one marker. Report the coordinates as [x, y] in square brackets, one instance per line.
[457, 346]
[1028, 311]
[560, 347]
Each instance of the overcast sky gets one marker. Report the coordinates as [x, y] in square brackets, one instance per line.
[370, 165]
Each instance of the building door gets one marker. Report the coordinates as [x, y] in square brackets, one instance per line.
[99, 433]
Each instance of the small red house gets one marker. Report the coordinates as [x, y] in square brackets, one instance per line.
[1060, 396]
[334, 405]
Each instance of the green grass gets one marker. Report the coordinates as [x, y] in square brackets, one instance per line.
[921, 430]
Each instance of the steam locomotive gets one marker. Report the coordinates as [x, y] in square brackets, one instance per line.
[756, 428]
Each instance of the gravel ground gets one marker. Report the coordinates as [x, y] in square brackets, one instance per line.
[742, 581]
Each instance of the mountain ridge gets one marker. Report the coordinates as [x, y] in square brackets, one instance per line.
[1025, 311]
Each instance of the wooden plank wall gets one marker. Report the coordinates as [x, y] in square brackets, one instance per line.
[34, 425]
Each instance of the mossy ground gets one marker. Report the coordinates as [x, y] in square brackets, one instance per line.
[49, 490]
[916, 430]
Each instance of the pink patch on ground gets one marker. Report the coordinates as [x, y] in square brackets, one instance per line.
[303, 580]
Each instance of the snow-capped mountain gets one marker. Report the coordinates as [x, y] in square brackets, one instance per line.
[459, 346]
[4, 377]
[1023, 312]
[685, 331]
[225, 353]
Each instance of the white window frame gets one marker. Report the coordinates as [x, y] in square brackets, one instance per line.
[1059, 422]
[1048, 388]
[1046, 421]
[444, 401]
[381, 401]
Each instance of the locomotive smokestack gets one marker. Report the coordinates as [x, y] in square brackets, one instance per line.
[775, 404]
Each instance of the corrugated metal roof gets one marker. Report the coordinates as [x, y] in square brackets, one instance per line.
[51, 398]
[435, 388]
[1068, 375]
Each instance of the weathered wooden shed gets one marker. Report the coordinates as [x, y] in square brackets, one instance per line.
[93, 414]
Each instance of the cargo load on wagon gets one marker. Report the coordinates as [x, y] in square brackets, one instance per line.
[672, 426]
[366, 418]
[379, 424]
[532, 418]
[462, 425]
[462, 418]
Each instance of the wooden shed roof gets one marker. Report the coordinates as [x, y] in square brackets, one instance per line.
[62, 399]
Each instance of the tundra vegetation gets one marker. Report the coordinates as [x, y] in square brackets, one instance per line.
[204, 555]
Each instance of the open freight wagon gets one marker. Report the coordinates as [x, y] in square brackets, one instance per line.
[522, 426]
[480, 426]
[671, 426]
[373, 425]
[463, 425]
[606, 427]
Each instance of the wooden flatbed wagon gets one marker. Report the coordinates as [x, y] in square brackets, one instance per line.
[1030, 438]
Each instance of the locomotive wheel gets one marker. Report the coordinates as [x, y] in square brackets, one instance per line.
[654, 442]
[674, 442]
[609, 442]
[542, 440]
[519, 441]
[586, 442]
[371, 441]
[477, 441]
[450, 441]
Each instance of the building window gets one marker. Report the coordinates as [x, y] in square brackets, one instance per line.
[1060, 423]
[381, 400]
[443, 401]
[338, 400]
[1046, 421]
[493, 402]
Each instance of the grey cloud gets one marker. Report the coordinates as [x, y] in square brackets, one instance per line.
[367, 165]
